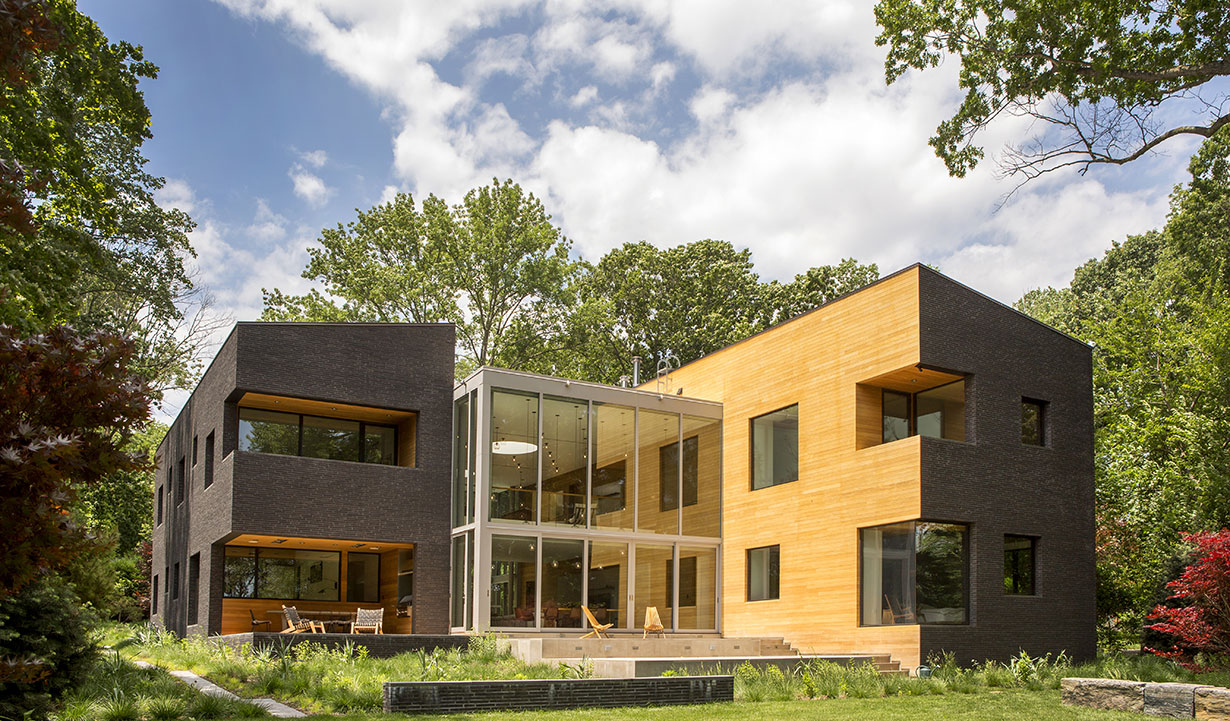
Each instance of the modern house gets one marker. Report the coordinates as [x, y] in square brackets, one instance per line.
[906, 469]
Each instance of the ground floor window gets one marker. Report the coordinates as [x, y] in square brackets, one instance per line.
[763, 573]
[282, 573]
[914, 572]
[1019, 565]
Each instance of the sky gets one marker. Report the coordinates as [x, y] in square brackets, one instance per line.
[667, 121]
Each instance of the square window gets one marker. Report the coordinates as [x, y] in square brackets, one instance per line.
[775, 448]
[1033, 422]
[1020, 569]
[763, 573]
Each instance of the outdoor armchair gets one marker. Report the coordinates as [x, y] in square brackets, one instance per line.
[598, 629]
[368, 619]
[653, 622]
[295, 624]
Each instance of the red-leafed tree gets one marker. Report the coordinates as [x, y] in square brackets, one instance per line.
[1201, 626]
[68, 403]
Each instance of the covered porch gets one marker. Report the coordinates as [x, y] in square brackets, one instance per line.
[327, 580]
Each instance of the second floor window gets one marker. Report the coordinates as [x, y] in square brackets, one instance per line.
[775, 448]
[293, 434]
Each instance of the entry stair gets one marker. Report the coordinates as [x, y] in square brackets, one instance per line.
[625, 656]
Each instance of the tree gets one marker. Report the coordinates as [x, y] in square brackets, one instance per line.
[1201, 625]
[81, 238]
[493, 264]
[1156, 308]
[1105, 83]
[68, 404]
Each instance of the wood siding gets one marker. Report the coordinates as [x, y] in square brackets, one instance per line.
[846, 479]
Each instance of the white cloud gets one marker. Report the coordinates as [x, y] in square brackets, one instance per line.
[176, 193]
[584, 96]
[314, 158]
[267, 226]
[309, 186]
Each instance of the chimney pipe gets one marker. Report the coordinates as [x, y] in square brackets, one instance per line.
[636, 370]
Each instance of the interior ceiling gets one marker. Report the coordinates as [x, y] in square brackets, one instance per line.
[323, 408]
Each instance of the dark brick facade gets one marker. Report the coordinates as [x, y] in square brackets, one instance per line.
[402, 367]
[441, 697]
[998, 485]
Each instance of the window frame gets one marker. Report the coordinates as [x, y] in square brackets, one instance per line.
[912, 411]
[1042, 412]
[668, 503]
[362, 433]
[257, 575]
[1033, 565]
[751, 448]
[210, 449]
[773, 559]
[379, 569]
[967, 565]
[158, 504]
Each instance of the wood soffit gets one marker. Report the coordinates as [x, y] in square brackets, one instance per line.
[323, 408]
[912, 379]
[252, 540]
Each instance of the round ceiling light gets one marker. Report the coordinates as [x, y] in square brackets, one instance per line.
[512, 448]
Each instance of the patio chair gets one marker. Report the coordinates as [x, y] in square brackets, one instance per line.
[596, 630]
[368, 619]
[898, 615]
[653, 622]
[295, 624]
[257, 624]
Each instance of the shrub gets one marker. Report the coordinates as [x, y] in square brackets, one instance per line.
[44, 634]
[1200, 628]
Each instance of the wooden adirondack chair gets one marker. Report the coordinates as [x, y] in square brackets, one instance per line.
[295, 624]
[653, 622]
[368, 619]
[899, 615]
[597, 629]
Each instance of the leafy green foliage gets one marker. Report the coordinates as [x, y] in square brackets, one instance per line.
[1106, 82]
[45, 649]
[1156, 308]
[70, 403]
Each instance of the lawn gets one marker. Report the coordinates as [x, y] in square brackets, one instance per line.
[346, 684]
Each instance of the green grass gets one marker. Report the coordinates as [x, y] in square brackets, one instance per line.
[997, 704]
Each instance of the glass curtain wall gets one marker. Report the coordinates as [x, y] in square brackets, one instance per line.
[514, 581]
[657, 477]
[702, 476]
[614, 439]
[562, 579]
[461, 456]
[514, 456]
[565, 448]
[697, 588]
[654, 569]
[608, 582]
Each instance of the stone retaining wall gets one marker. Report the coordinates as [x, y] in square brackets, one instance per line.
[378, 645]
[467, 696]
[1175, 700]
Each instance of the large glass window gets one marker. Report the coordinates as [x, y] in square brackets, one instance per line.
[1033, 422]
[565, 447]
[290, 434]
[514, 456]
[461, 569]
[513, 581]
[405, 578]
[562, 576]
[702, 469]
[608, 582]
[461, 457]
[1019, 560]
[281, 573]
[614, 439]
[653, 567]
[330, 439]
[763, 573]
[363, 577]
[937, 413]
[914, 572]
[775, 448]
[697, 588]
[268, 432]
[657, 435]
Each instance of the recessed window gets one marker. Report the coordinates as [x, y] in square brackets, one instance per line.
[1020, 554]
[209, 460]
[937, 413]
[159, 494]
[292, 434]
[914, 572]
[1033, 422]
[775, 448]
[194, 583]
[179, 481]
[153, 598]
[363, 577]
[763, 573]
[194, 449]
[175, 584]
[281, 573]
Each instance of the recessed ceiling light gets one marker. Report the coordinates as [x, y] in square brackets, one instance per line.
[253, 541]
[375, 548]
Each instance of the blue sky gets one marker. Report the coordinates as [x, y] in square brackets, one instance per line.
[665, 121]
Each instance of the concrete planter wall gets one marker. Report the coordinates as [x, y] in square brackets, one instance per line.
[1174, 700]
[444, 697]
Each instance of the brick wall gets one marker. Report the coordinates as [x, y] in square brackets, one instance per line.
[466, 696]
[998, 485]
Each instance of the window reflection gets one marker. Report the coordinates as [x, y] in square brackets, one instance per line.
[514, 456]
[775, 448]
[614, 444]
[513, 581]
[565, 448]
[914, 573]
[658, 481]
